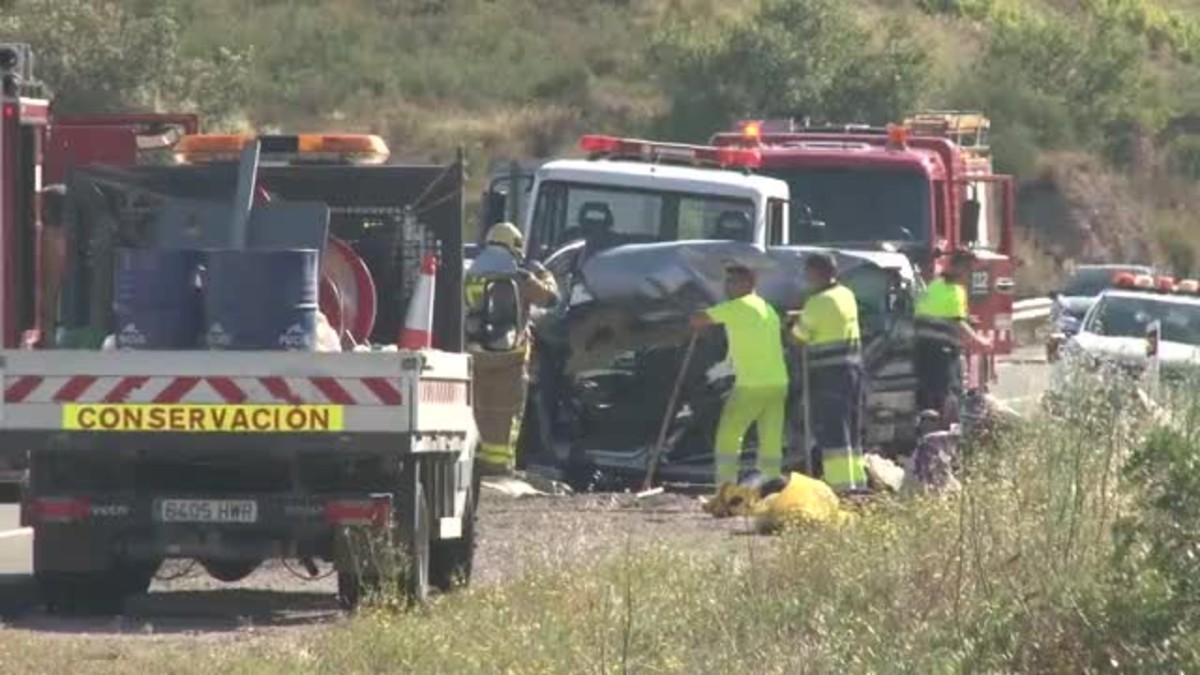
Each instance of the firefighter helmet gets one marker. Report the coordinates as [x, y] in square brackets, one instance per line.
[506, 235]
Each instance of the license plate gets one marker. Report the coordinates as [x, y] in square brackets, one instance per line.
[208, 511]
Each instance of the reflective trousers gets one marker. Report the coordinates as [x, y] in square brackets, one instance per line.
[939, 374]
[501, 380]
[762, 407]
[837, 428]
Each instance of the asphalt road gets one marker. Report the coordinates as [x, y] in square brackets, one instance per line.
[274, 595]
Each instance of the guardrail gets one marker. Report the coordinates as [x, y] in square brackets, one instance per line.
[1031, 309]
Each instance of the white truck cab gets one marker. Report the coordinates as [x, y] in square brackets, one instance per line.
[643, 192]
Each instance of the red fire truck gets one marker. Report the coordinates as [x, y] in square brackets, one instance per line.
[925, 188]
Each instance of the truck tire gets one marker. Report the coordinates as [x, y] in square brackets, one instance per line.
[230, 571]
[135, 577]
[414, 537]
[350, 589]
[94, 593]
[450, 562]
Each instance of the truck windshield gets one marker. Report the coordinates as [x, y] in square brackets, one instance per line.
[857, 205]
[1127, 316]
[636, 216]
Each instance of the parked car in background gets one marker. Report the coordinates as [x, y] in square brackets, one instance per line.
[1077, 296]
[1130, 327]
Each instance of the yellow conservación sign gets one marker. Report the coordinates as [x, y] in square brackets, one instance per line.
[191, 418]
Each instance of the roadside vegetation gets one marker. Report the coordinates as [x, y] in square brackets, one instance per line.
[1072, 547]
[1097, 97]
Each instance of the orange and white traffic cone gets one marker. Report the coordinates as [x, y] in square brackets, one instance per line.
[418, 322]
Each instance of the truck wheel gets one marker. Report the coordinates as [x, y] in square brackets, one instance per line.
[230, 571]
[350, 589]
[414, 538]
[450, 561]
[94, 593]
[135, 577]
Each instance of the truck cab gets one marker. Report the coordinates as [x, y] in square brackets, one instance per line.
[643, 192]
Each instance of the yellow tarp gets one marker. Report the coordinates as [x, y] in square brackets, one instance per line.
[804, 501]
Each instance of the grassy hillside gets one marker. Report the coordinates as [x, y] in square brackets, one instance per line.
[1112, 81]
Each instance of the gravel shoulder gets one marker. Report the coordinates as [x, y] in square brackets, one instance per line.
[517, 536]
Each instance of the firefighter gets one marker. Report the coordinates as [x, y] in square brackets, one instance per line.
[759, 395]
[501, 288]
[829, 334]
[942, 329]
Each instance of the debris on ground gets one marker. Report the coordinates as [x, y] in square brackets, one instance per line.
[733, 499]
[883, 473]
[525, 486]
[803, 501]
[931, 466]
[798, 501]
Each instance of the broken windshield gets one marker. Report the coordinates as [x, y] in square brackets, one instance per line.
[857, 205]
[636, 216]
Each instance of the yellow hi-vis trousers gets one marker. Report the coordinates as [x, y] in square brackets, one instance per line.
[760, 406]
[500, 384]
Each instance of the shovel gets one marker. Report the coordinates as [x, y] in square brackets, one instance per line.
[808, 435]
[656, 453]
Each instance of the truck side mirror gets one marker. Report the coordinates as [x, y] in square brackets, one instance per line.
[970, 221]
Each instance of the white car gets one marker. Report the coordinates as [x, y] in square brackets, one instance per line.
[1114, 331]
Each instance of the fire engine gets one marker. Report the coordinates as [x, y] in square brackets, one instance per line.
[924, 188]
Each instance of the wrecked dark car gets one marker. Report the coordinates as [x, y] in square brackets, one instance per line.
[607, 357]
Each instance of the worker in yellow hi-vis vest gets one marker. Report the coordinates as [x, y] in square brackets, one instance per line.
[501, 288]
[829, 334]
[941, 322]
[759, 395]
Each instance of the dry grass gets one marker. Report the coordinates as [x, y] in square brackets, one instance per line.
[1011, 575]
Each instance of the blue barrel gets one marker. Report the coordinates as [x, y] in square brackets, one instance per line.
[261, 300]
[156, 299]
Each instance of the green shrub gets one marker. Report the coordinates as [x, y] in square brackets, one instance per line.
[788, 58]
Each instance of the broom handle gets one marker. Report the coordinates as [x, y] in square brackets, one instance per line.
[808, 434]
[666, 422]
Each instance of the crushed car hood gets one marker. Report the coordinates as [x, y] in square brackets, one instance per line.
[640, 296]
[684, 277]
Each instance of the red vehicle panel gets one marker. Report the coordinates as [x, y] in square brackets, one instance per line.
[923, 177]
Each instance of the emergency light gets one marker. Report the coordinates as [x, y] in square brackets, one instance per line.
[1188, 286]
[1161, 284]
[649, 151]
[897, 136]
[318, 148]
[752, 131]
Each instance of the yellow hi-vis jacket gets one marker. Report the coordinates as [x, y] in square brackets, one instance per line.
[828, 327]
[755, 341]
[940, 311]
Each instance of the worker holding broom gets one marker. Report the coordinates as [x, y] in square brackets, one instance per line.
[755, 348]
[828, 332]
